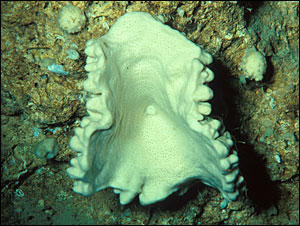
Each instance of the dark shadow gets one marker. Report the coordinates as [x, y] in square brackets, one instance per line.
[261, 190]
[251, 4]
[250, 8]
[224, 94]
[268, 76]
[174, 201]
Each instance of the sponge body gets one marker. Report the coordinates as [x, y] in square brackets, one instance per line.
[71, 19]
[148, 132]
[253, 64]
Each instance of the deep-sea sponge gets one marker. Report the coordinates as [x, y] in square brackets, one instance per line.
[71, 19]
[253, 64]
[148, 132]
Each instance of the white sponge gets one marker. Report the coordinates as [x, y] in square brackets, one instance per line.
[254, 64]
[71, 19]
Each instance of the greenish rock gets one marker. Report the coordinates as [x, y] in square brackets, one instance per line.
[47, 148]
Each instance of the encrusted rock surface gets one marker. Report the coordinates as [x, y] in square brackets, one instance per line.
[263, 116]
